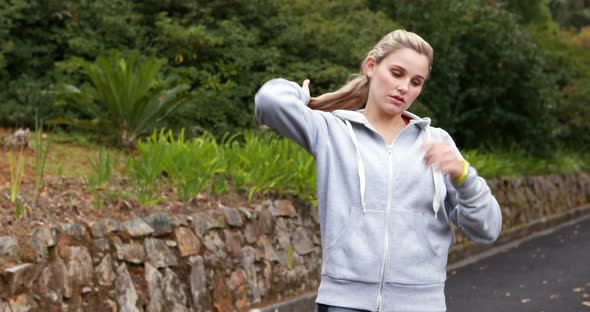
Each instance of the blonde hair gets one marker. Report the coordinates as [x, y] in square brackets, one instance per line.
[354, 93]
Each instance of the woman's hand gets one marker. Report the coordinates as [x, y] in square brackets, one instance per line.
[305, 86]
[442, 157]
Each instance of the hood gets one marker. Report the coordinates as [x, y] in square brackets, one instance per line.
[359, 118]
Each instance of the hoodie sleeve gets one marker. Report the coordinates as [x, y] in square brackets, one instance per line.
[471, 205]
[282, 105]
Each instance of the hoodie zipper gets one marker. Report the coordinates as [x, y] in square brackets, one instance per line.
[385, 263]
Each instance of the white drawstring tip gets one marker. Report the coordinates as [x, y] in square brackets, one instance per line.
[436, 214]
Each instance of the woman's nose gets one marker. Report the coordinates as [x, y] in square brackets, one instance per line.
[402, 86]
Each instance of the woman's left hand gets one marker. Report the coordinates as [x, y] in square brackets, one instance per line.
[442, 157]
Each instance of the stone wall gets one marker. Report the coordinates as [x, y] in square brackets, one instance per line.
[228, 259]
[531, 204]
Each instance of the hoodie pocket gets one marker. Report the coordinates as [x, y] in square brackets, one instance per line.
[417, 254]
[357, 252]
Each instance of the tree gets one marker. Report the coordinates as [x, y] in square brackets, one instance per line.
[487, 86]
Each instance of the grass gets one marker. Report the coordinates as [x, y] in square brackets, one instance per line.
[16, 165]
[519, 163]
[42, 147]
[75, 155]
[102, 169]
[257, 164]
[250, 163]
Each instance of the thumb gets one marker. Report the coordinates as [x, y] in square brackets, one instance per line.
[305, 85]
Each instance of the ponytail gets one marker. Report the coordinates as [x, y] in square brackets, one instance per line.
[351, 96]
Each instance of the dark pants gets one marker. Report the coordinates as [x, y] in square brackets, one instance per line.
[326, 308]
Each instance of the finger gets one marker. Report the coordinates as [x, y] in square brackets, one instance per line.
[428, 159]
[443, 157]
[431, 150]
[305, 84]
[438, 150]
[438, 155]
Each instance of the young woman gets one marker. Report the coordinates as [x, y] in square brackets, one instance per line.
[388, 183]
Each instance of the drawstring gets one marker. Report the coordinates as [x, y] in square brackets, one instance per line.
[360, 164]
[436, 199]
[361, 171]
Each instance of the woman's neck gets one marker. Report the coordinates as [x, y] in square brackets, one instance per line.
[387, 125]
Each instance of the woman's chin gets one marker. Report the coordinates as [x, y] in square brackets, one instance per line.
[394, 110]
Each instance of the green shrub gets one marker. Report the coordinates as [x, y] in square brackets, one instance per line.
[22, 99]
[487, 87]
[261, 164]
[125, 99]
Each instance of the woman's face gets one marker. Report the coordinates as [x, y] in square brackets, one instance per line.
[396, 81]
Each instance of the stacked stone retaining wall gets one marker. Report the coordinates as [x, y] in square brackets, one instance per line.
[227, 259]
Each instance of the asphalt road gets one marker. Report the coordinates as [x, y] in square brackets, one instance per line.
[548, 273]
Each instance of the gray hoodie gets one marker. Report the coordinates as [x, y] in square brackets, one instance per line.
[385, 242]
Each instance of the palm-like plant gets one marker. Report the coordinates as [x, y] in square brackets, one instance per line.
[125, 98]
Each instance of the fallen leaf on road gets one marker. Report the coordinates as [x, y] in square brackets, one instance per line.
[507, 294]
[586, 303]
[544, 282]
[554, 296]
[578, 289]
[525, 300]
[585, 296]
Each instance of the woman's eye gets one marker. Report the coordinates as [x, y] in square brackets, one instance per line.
[416, 83]
[396, 73]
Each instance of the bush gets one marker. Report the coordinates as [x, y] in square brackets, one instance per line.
[124, 99]
[568, 66]
[228, 55]
[22, 99]
[487, 86]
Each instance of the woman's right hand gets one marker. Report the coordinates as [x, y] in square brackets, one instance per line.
[305, 86]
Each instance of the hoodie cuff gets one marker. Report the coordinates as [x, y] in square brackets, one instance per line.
[463, 173]
[469, 183]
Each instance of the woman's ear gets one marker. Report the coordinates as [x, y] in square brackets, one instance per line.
[369, 66]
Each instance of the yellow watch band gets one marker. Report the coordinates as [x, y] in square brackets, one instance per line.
[463, 173]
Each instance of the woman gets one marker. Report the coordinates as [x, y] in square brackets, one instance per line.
[388, 184]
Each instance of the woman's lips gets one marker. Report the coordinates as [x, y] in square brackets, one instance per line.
[397, 100]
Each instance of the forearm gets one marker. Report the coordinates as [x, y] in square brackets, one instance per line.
[476, 210]
[282, 105]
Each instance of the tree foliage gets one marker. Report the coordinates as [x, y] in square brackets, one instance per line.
[487, 86]
[570, 13]
[501, 67]
[565, 46]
